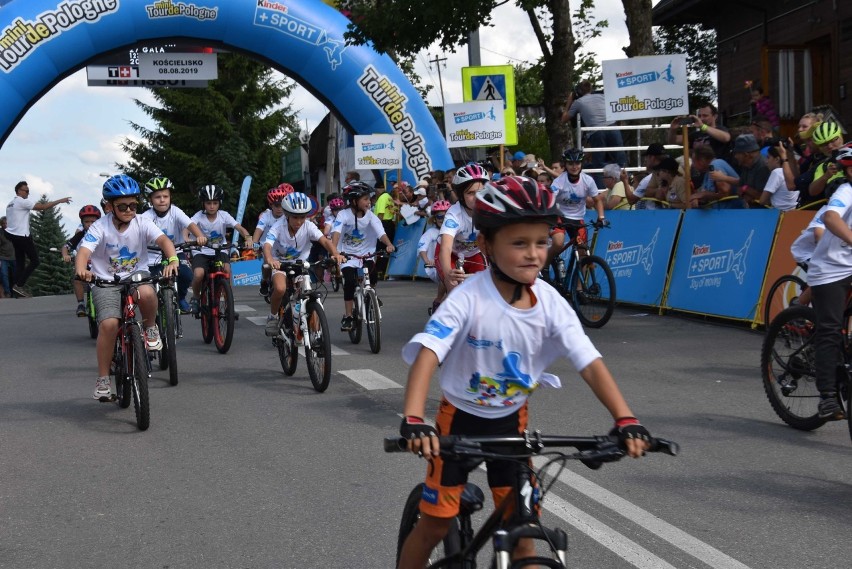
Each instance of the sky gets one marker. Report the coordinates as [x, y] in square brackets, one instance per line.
[72, 135]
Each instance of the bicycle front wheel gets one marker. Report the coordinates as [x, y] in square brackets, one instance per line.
[374, 321]
[122, 374]
[223, 315]
[781, 293]
[288, 350]
[357, 322]
[206, 314]
[451, 544]
[318, 354]
[788, 368]
[168, 334]
[593, 291]
[139, 377]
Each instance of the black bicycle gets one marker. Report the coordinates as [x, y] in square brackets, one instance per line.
[366, 306]
[169, 324]
[461, 545]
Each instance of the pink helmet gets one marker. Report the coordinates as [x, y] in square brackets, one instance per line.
[336, 203]
[470, 173]
[440, 206]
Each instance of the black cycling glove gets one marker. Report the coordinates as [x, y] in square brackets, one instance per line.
[415, 427]
[630, 428]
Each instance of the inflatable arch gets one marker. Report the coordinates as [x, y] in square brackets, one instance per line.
[44, 41]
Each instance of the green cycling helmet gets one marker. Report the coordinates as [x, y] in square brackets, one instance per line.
[157, 184]
[826, 132]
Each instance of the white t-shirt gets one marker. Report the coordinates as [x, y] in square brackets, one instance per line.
[832, 258]
[18, 216]
[459, 225]
[357, 236]
[782, 198]
[286, 247]
[427, 243]
[172, 224]
[493, 355]
[214, 230]
[639, 192]
[803, 247]
[571, 198]
[115, 253]
[265, 221]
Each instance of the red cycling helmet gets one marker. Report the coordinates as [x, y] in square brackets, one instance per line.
[286, 188]
[275, 195]
[514, 199]
[89, 211]
[440, 206]
[843, 156]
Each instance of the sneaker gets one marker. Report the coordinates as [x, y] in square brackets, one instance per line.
[193, 306]
[346, 324]
[81, 310]
[264, 288]
[21, 292]
[271, 325]
[184, 306]
[829, 407]
[103, 390]
[152, 339]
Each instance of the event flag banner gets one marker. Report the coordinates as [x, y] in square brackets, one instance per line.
[645, 87]
[494, 83]
[196, 66]
[637, 248]
[477, 123]
[403, 261]
[382, 151]
[720, 261]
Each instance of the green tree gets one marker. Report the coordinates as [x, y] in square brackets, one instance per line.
[699, 45]
[52, 276]
[235, 127]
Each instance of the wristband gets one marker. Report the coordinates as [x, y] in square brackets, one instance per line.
[413, 420]
[624, 421]
[174, 258]
[704, 128]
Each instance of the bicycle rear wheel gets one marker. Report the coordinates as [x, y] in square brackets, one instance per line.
[374, 321]
[168, 334]
[139, 378]
[787, 363]
[318, 354]
[592, 289]
[411, 515]
[288, 351]
[206, 314]
[223, 315]
[780, 294]
[357, 323]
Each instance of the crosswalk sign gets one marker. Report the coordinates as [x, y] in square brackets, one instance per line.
[493, 83]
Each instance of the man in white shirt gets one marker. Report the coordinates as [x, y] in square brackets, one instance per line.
[18, 232]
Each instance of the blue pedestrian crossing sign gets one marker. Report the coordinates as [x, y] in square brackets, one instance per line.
[493, 83]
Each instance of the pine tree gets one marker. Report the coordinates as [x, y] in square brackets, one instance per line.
[53, 276]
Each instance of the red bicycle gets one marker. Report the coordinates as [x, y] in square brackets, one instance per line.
[216, 302]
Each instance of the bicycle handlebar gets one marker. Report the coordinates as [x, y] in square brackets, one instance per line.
[139, 277]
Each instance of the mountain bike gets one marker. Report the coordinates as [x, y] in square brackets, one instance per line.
[788, 367]
[586, 282]
[783, 291]
[216, 300]
[169, 323]
[130, 356]
[366, 307]
[302, 320]
[461, 545]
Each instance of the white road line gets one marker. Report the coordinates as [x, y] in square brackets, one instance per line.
[369, 379]
[677, 537]
[259, 320]
[243, 308]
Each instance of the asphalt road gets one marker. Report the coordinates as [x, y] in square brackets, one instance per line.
[245, 467]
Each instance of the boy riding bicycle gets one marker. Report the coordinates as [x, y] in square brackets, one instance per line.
[520, 325]
[265, 221]
[117, 246]
[290, 239]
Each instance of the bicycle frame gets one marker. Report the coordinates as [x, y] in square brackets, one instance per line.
[299, 288]
[363, 286]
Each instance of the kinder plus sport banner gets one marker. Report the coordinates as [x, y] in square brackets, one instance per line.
[644, 87]
[478, 123]
[382, 151]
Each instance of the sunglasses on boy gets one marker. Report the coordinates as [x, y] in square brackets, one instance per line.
[123, 207]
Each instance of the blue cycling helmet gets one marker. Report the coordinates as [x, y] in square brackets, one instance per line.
[119, 186]
[296, 204]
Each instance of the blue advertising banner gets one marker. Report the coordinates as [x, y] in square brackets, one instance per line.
[402, 262]
[720, 260]
[246, 273]
[637, 247]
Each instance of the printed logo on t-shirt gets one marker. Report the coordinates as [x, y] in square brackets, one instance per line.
[509, 387]
[451, 223]
[836, 203]
[437, 329]
[125, 262]
[477, 344]
[354, 238]
[216, 237]
[90, 238]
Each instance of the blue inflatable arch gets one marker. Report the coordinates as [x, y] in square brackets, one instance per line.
[44, 41]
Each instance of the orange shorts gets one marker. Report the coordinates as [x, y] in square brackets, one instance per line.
[472, 264]
[445, 480]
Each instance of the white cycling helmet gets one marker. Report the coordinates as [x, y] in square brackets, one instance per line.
[470, 173]
[297, 203]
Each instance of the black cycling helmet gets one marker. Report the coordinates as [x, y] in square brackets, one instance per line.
[573, 155]
[210, 193]
[356, 189]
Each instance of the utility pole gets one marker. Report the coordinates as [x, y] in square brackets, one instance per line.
[437, 61]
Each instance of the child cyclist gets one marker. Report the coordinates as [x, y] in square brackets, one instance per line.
[829, 279]
[485, 386]
[116, 245]
[290, 239]
[573, 188]
[428, 244]
[173, 222]
[213, 224]
[265, 222]
[88, 215]
[358, 228]
[458, 236]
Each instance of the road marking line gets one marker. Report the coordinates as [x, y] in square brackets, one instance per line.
[259, 320]
[677, 537]
[369, 379]
[243, 308]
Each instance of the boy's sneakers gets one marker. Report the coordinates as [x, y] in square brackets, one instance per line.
[271, 325]
[184, 306]
[193, 306]
[103, 390]
[346, 324]
[829, 407]
[21, 292]
[264, 288]
[152, 339]
[81, 310]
